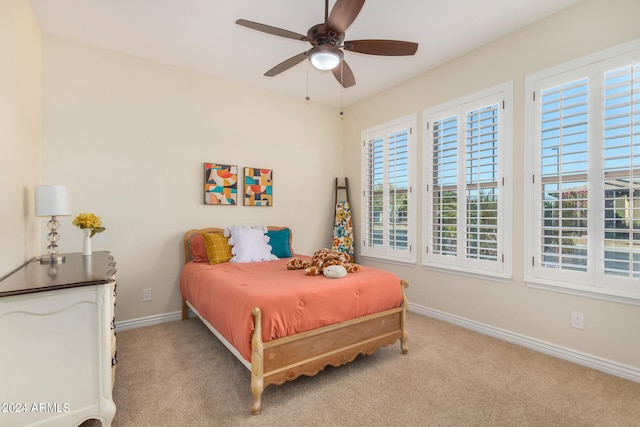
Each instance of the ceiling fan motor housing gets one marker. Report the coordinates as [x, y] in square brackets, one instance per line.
[321, 35]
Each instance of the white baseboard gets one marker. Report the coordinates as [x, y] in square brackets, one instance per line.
[584, 359]
[147, 321]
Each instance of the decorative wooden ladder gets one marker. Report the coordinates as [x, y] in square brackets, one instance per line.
[343, 236]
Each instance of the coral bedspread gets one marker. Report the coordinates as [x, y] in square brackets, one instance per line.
[290, 302]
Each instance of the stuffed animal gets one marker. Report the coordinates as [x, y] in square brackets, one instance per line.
[334, 271]
[323, 259]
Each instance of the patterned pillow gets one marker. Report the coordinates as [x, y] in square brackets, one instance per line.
[218, 249]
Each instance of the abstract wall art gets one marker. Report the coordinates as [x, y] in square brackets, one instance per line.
[258, 187]
[220, 184]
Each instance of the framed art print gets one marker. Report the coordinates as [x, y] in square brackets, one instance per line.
[258, 187]
[220, 184]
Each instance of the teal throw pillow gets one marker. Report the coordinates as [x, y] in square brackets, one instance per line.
[279, 241]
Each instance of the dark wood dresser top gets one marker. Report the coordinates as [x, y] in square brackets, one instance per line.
[77, 270]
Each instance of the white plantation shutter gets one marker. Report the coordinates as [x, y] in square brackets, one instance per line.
[465, 203]
[564, 142]
[482, 183]
[621, 152]
[585, 209]
[373, 183]
[388, 202]
[398, 189]
[444, 222]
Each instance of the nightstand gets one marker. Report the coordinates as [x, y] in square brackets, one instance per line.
[58, 352]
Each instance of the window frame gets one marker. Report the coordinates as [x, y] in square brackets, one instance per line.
[499, 270]
[387, 253]
[594, 282]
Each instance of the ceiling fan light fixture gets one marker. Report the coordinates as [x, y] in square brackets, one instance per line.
[325, 58]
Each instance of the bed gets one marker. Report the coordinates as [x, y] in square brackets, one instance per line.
[282, 324]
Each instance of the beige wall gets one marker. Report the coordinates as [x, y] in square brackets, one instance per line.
[610, 328]
[20, 114]
[130, 136]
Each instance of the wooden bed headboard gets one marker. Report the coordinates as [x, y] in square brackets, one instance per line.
[193, 232]
[215, 230]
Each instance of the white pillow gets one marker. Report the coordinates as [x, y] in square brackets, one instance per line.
[249, 244]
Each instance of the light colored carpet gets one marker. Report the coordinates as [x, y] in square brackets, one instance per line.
[179, 374]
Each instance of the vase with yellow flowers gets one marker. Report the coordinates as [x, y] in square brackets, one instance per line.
[90, 224]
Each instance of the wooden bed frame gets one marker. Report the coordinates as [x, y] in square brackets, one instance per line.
[308, 353]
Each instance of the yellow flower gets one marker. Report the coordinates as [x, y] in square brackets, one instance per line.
[90, 221]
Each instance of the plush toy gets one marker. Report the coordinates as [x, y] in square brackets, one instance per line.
[321, 261]
[334, 271]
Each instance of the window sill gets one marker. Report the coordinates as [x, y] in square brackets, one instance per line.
[459, 271]
[396, 261]
[611, 295]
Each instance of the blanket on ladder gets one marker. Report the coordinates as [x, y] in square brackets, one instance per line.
[343, 230]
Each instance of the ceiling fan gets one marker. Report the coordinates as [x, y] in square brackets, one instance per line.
[327, 40]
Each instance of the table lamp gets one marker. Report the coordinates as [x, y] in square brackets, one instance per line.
[53, 201]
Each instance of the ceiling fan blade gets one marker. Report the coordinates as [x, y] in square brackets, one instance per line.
[286, 64]
[344, 75]
[272, 30]
[343, 14]
[382, 47]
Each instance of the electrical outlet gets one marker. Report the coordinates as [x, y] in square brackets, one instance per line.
[146, 294]
[577, 320]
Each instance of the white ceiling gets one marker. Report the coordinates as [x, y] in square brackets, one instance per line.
[201, 35]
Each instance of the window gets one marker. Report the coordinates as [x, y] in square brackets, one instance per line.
[583, 209]
[467, 184]
[388, 180]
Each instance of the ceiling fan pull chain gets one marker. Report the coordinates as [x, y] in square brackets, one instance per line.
[307, 97]
[341, 89]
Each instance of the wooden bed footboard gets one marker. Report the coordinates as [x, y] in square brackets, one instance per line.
[308, 353]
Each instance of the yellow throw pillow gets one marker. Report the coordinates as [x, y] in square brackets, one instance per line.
[218, 249]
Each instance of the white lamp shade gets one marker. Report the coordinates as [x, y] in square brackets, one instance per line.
[325, 57]
[325, 60]
[52, 200]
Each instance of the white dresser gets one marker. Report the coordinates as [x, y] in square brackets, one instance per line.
[57, 342]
